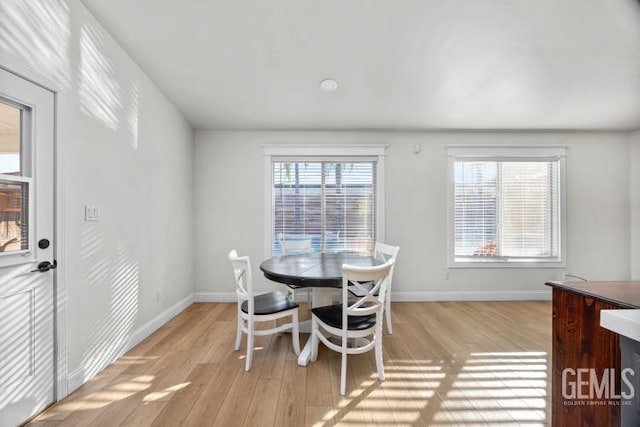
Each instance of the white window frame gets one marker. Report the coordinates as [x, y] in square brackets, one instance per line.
[337, 152]
[505, 153]
[27, 159]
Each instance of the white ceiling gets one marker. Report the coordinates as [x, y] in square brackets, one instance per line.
[400, 64]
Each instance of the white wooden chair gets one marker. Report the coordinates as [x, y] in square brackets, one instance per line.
[351, 323]
[384, 253]
[260, 308]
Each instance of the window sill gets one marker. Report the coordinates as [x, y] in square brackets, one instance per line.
[506, 264]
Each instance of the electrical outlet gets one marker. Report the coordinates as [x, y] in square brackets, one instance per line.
[446, 275]
[158, 295]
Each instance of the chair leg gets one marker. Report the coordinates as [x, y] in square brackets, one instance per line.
[295, 334]
[239, 330]
[387, 310]
[378, 352]
[314, 339]
[247, 366]
[343, 372]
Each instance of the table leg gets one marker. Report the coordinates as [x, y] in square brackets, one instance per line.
[320, 297]
[305, 354]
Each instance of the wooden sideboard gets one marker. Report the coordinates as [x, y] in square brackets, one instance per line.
[580, 342]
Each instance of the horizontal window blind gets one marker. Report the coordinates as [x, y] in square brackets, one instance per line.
[330, 203]
[506, 210]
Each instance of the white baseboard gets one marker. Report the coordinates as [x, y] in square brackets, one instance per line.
[85, 373]
[472, 296]
[154, 324]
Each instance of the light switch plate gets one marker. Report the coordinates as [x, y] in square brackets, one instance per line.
[91, 213]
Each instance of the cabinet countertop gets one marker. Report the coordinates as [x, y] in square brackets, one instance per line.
[623, 294]
[623, 322]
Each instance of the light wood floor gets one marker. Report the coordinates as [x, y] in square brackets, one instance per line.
[448, 363]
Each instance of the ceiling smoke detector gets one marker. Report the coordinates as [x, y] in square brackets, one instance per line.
[328, 85]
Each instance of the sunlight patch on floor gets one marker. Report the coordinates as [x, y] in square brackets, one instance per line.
[163, 394]
[492, 388]
[500, 387]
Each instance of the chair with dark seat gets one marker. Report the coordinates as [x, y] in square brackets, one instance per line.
[355, 326]
[260, 308]
[384, 253]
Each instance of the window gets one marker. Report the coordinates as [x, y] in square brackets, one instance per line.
[506, 206]
[331, 200]
[15, 179]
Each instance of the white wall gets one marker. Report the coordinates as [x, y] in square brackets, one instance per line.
[127, 150]
[634, 197]
[230, 202]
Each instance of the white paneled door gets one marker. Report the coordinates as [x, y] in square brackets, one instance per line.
[26, 249]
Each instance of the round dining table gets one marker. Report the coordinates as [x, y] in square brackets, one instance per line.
[315, 270]
[320, 271]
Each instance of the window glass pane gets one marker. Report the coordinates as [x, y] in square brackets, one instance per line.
[297, 202]
[14, 216]
[349, 207]
[10, 137]
[476, 208]
[506, 210]
[330, 203]
[527, 213]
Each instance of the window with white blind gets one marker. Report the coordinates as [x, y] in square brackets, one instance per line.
[506, 206]
[330, 201]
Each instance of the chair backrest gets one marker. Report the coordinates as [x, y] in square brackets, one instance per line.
[384, 252]
[244, 280]
[372, 295]
[295, 246]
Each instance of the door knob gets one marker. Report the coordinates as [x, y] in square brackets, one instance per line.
[45, 266]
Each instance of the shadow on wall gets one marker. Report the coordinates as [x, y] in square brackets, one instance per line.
[41, 33]
[106, 333]
[99, 90]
